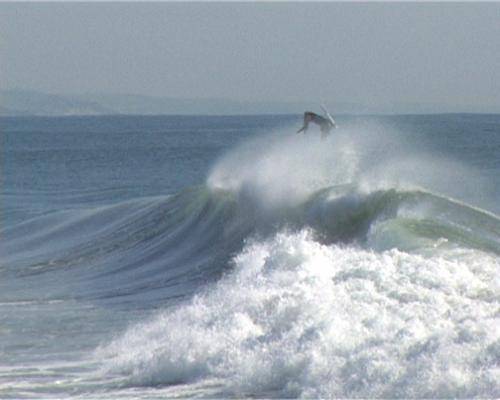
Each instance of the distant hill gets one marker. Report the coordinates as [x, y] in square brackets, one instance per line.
[149, 105]
[25, 102]
[6, 112]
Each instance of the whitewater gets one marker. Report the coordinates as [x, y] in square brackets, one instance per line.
[365, 265]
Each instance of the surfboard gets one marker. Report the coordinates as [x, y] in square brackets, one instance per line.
[328, 116]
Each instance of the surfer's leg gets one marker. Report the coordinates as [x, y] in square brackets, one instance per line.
[307, 118]
[304, 128]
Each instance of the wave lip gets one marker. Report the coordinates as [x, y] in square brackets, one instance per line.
[410, 220]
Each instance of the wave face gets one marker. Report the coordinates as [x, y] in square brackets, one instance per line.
[301, 268]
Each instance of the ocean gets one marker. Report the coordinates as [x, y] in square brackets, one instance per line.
[222, 257]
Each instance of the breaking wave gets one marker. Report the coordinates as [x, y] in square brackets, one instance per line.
[297, 318]
[339, 285]
[301, 269]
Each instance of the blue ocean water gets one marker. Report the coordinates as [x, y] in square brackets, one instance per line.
[171, 256]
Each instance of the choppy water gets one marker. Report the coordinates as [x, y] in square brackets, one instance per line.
[229, 257]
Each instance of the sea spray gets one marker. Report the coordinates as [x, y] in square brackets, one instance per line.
[281, 169]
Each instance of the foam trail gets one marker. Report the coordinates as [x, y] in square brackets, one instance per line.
[299, 319]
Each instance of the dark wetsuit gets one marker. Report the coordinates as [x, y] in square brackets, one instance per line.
[324, 123]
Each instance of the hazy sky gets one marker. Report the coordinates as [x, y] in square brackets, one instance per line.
[370, 53]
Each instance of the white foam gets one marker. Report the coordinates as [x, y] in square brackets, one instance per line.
[298, 318]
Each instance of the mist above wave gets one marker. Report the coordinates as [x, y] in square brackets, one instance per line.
[281, 168]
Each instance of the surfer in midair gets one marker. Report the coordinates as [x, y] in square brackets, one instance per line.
[325, 124]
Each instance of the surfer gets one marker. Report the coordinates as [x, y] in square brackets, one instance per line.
[325, 124]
